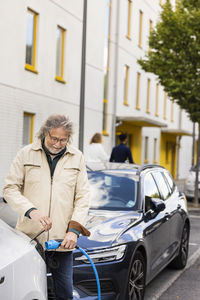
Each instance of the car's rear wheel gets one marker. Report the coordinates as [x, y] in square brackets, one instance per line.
[136, 280]
[181, 260]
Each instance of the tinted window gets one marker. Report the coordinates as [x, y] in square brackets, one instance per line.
[163, 188]
[112, 191]
[150, 188]
[170, 180]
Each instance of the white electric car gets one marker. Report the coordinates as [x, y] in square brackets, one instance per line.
[22, 269]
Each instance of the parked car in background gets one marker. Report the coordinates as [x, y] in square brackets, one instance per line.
[22, 269]
[139, 224]
[189, 187]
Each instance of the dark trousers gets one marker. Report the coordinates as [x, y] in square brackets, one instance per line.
[60, 264]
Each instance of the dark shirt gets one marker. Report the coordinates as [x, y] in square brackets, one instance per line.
[53, 162]
[121, 153]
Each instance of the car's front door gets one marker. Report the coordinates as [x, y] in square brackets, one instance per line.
[157, 231]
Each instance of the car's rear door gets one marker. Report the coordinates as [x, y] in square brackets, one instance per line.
[175, 203]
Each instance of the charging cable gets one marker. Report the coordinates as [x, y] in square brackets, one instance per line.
[53, 244]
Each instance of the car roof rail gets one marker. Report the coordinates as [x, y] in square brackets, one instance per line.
[148, 166]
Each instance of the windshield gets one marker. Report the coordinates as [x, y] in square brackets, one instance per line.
[112, 191]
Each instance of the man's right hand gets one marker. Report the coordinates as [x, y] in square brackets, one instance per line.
[44, 222]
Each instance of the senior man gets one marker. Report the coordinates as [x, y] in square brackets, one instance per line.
[48, 186]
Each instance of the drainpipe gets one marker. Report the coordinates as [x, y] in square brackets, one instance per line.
[82, 90]
[116, 75]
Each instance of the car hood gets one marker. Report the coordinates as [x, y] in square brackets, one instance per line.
[106, 226]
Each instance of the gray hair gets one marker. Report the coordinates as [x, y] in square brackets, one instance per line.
[56, 121]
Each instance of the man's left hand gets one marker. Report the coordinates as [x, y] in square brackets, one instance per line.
[69, 241]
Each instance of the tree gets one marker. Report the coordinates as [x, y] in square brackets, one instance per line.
[175, 58]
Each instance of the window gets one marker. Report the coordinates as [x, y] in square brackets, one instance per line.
[155, 151]
[138, 91]
[157, 100]
[28, 128]
[165, 107]
[148, 95]
[126, 75]
[170, 181]
[60, 41]
[140, 29]
[110, 191]
[146, 150]
[150, 188]
[106, 65]
[129, 19]
[162, 186]
[31, 38]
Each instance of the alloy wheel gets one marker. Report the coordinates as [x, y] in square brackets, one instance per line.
[137, 278]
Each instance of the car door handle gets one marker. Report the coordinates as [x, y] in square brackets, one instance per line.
[2, 279]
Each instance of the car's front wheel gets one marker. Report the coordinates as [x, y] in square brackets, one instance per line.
[136, 280]
[180, 261]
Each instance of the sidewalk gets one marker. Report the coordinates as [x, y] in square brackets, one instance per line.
[186, 286]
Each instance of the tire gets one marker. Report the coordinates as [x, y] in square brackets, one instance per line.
[180, 260]
[136, 279]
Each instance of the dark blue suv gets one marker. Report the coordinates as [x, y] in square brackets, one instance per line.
[139, 224]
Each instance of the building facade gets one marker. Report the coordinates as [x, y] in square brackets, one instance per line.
[41, 56]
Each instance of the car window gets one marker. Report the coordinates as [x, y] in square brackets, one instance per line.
[169, 180]
[112, 191]
[150, 191]
[162, 185]
[150, 188]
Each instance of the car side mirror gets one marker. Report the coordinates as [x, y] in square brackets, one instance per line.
[158, 205]
[152, 207]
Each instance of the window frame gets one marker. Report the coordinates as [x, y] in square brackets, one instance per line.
[148, 95]
[126, 83]
[140, 28]
[32, 67]
[128, 35]
[60, 77]
[31, 115]
[138, 91]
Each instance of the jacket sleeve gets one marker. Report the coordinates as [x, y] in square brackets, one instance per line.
[13, 189]
[130, 158]
[81, 196]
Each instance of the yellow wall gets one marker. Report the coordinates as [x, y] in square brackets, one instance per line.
[168, 155]
[136, 139]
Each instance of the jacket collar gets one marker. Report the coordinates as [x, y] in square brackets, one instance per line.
[37, 145]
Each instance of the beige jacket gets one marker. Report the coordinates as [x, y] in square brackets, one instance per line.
[64, 198]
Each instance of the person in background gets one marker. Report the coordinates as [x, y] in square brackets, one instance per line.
[121, 153]
[96, 152]
[48, 186]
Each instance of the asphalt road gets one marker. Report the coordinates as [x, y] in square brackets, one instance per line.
[182, 285]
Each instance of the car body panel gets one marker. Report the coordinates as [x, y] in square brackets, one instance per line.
[21, 266]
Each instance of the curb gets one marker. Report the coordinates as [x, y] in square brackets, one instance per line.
[190, 262]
